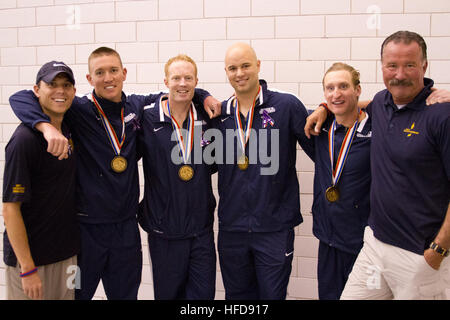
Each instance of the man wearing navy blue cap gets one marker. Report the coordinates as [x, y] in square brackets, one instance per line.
[105, 125]
[408, 237]
[50, 70]
[42, 238]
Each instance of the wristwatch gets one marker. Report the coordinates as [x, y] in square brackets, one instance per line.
[443, 252]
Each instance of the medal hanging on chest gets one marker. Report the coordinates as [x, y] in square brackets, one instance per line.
[244, 133]
[332, 192]
[185, 172]
[118, 163]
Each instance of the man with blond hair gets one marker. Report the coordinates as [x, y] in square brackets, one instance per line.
[178, 206]
[341, 180]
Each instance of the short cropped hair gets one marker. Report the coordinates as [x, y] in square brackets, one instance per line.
[180, 57]
[338, 66]
[406, 37]
[104, 51]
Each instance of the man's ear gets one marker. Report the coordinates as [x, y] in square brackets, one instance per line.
[358, 90]
[89, 79]
[36, 90]
[425, 66]
[124, 72]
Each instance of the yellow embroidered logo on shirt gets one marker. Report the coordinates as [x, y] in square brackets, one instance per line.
[71, 147]
[410, 130]
[18, 188]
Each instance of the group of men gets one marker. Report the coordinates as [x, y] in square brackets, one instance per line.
[381, 179]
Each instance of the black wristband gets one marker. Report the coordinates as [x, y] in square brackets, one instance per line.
[435, 247]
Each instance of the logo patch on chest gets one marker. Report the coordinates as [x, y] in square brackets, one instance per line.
[129, 117]
[410, 131]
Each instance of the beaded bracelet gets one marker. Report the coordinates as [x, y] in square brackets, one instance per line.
[25, 274]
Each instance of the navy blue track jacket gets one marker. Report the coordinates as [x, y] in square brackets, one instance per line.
[341, 224]
[173, 208]
[249, 200]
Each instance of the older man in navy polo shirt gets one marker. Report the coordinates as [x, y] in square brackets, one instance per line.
[408, 236]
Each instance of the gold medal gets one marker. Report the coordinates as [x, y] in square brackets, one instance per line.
[186, 172]
[243, 162]
[119, 164]
[332, 194]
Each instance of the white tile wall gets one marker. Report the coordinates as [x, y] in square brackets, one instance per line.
[277, 49]
[325, 48]
[275, 8]
[250, 28]
[67, 34]
[158, 31]
[384, 6]
[115, 32]
[8, 4]
[304, 26]
[17, 18]
[16, 56]
[180, 9]
[439, 23]
[230, 8]
[325, 6]
[389, 23]
[295, 39]
[203, 29]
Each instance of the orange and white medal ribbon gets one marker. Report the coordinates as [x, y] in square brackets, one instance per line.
[244, 133]
[186, 172]
[332, 193]
[118, 163]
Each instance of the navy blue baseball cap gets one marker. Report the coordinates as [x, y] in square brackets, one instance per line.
[51, 69]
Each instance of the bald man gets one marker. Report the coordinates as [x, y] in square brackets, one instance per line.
[258, 187]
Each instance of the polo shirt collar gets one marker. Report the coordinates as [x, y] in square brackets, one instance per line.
[361, 126]
[417, 102]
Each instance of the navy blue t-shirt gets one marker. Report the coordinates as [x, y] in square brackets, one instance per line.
[46, 188]
[410, 159]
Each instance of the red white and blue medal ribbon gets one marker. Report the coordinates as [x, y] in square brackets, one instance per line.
[244, 133]
[113, 139]
[186, 148]
[344, 151]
